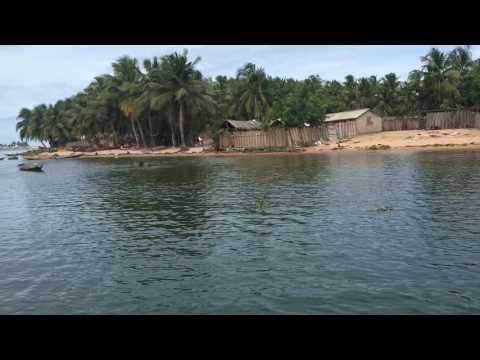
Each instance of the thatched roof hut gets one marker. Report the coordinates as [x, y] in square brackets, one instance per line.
[277, 123]
[241, 125]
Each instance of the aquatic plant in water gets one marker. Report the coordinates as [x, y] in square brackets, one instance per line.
[383, 209]
[259, 203]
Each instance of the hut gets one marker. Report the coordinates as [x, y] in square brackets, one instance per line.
[240, 125]
[277, 123]
[348, 124]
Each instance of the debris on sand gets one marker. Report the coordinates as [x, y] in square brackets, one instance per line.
[378, 147]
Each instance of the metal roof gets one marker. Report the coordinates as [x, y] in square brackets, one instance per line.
[242, 125]
[346, 115]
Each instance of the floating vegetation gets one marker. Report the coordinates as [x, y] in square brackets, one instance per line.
[259, 203]
[383, 209]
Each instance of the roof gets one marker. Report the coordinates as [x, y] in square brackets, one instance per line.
[242, 125]
[277, 122]
[346, 115]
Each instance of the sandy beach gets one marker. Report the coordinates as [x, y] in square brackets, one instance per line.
[415, 139]
[383, 141]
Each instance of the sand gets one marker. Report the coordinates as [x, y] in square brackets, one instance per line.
[415, 139]
[408, 139]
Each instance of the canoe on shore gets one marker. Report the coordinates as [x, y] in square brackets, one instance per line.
[51, 157]
[69, 156]
[31, 158]
[31, 167]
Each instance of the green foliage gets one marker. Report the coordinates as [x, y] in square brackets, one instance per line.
[259, 203]
[167, 100]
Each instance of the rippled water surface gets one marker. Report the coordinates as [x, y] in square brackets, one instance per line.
[189, 235]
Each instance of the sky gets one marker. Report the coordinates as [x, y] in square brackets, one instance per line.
[35, 74]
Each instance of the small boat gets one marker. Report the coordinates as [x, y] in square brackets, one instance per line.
[70, 156]
[31, 167]
[1, 158]
[13, 158]
[31, 157]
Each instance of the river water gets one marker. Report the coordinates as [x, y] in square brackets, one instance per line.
[243, 235]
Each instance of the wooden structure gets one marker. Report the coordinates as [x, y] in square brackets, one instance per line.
[349, 124]
[275, 138]
[398, 123]
[240, 125]
[247, 135]
[462, 119]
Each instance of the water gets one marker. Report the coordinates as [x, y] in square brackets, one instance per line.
[190, 235]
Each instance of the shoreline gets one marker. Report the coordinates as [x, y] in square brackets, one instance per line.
[407, 140]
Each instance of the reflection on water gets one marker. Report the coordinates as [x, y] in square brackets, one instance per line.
[184, 235]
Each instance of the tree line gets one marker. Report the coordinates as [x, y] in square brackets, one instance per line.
[167, 100]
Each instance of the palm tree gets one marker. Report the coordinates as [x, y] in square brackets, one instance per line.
[131, 107]
[178, 86]
[106, 101]
[254, 97]
[24, 124]
[350, 87]
[54, 126]
[128, 79]
[144, 102]
[389, 94]
[161, 100]
[439, 79]
[37, 123]
[368, 92]
[461, 59]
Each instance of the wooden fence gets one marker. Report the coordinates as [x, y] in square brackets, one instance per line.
[280, 138]
[452, 120]
[342, 130]
[398, 123]
[306, 136]
[435, 120]
[272, 138]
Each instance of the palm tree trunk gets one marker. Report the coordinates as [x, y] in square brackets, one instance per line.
[152, 139]
[142, 136]
[180, 123]
[135, 131]
[115, 136]
[172, 128]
